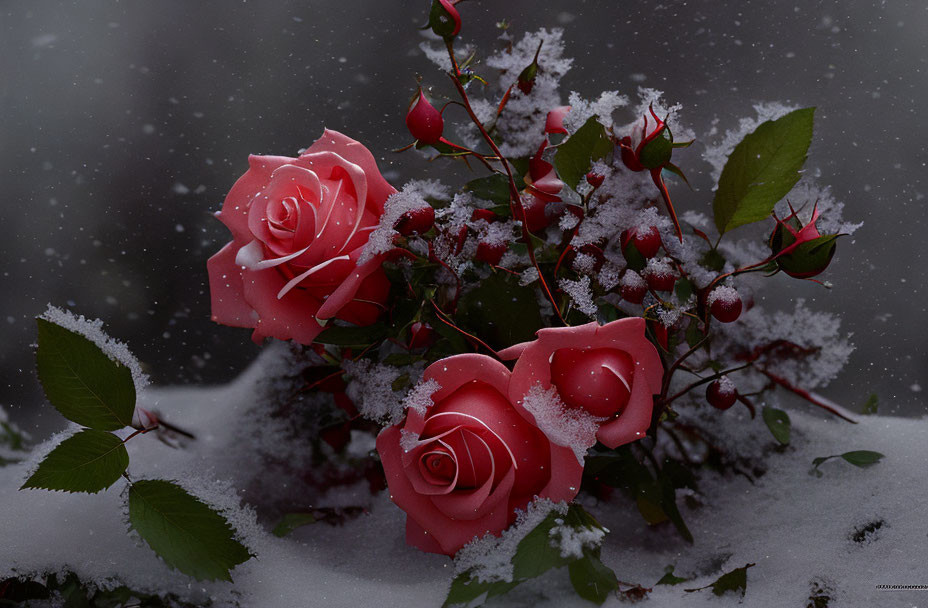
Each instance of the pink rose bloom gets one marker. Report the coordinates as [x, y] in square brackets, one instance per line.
[298, 226]
[462, 466]
[610, 371]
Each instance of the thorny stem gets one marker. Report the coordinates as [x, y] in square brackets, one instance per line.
[446, 319]
[515, 200]
[139, 432]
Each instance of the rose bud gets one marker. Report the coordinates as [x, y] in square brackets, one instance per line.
[143, 419]
[444, 19]
[633, 287]
[724, 304]
[595, 179]
[660, 275]
[421, 335]
[415, 221]
[611, 372]
[651, 150]
[800, 251]
[526, 80]
[483, 214]
[424, 121]
[491, 253]
[646, 241]
[722, 394]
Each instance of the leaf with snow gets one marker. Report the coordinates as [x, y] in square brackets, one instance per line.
[736, 580]
[778, 423]
[89, 461]
[591, 578]
[670, 578]
[575, 156]
[81, 381]
[859, 458]
[184, 531]
[762, 169]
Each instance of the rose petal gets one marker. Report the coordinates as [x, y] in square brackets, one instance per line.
[227, 299]
[289, 318]
[234, 212]
[554, 122]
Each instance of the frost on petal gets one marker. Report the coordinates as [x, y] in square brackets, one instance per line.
[568, 427]
[419, 397]
[489, 558]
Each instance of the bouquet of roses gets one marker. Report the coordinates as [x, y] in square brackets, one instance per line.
[552, 328]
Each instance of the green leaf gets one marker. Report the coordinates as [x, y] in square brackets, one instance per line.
[762, 169]
[184, 531]
[500, 311]
[464, 590]
[669, 578]
[871, 405]
[736, 580]
[89, 461]
[862, 458]
[535, 554]
[591, 578]
[85, 385]
[683, 289]
[575, 156]
[291, 521]
[778, 423]
[493, 188]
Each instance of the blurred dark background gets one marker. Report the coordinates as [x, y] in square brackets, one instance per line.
[123, 124]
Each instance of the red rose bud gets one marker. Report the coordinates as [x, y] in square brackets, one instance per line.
[483, 214]
[526, 80]
[722, 394]
[800, 251]
[595, 179]
[491, 253]
[724, 304]
[633, 287]
[421, 335]
[415, 221]
[444, 19]
[424, 121]
[660, 275]
[660, 333]
[646, 240]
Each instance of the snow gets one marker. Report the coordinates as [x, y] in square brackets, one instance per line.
[370, 387]
[413, 196]
[568, 427]
[849, 530]
[716, 153]
[573, 540]
[724, 294]
[489, 558]
[93, 331]
[419, 397]
[580, 293]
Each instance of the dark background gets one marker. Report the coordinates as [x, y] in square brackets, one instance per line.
[123, 124]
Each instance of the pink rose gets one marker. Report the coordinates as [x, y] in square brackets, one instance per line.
[298, 226]
[462, 466]
[610, 371]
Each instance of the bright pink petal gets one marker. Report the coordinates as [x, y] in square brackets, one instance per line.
[225, 288]
[234, 212]
[292, 317]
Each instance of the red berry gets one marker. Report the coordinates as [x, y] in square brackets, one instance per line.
[421, 335]
[722, 394]
[416, 221]
[595, 179]
[424, 121]
[483, 214]
[660, 276]
[491, 253]
[725, 304]
[634, 287]
[647, 240]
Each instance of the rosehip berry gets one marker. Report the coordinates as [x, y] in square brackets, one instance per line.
[421, 335]
[660, 275]
[634, 287]
[725, 304]
[491, 253]
[424, 121]
[415, 221]
[647, 241]
[722, 394]
[483, 214]
[595, 179]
